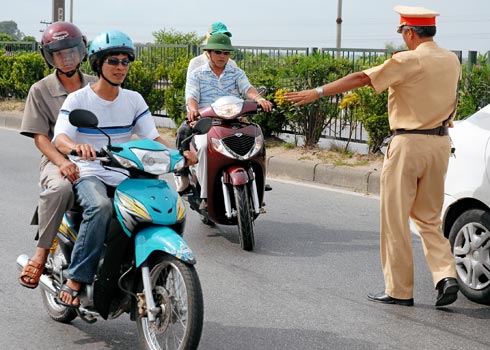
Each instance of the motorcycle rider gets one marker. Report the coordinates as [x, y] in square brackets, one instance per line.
[181, 176]
[121, 113]
[196, 62]
[205, 84]
[63, 47]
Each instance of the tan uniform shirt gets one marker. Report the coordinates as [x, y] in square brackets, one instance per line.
[43, 105]
[422, 86]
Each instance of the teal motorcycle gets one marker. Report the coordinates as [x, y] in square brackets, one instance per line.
[147, 269]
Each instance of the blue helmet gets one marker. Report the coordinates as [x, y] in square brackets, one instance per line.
[109, 43]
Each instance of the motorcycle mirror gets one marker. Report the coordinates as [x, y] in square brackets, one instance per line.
[202, 126]
[82, 118]
[262, 90]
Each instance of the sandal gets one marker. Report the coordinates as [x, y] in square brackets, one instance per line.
[73, 293]
[31, 271]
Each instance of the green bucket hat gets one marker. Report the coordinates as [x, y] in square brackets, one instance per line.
[219, 28]
[219, 42]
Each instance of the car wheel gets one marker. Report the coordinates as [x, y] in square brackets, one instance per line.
[470, 242]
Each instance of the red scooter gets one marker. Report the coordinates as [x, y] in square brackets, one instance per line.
[236, 168]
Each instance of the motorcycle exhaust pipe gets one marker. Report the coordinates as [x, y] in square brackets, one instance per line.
[45, 281]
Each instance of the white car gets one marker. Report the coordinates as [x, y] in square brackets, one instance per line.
[466, 211]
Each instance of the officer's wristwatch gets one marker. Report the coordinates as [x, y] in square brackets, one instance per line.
[319, 90]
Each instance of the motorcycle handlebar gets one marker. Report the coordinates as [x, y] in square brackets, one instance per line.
[99, 154]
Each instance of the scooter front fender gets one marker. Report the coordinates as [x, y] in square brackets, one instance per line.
[237, 175]
[164, 239]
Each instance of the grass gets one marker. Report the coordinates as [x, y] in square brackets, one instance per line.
[12, 105]
[335, 155]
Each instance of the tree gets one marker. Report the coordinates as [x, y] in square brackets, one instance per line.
[174, 37]
[391, 47]
[10, 28]
[6, 37]
[307, 72]
[29, 39]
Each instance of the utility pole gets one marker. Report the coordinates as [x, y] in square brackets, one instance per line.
[58, 10]
[339, 26]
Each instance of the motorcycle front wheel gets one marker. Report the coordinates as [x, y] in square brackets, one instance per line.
[245, 217]
[177, 291]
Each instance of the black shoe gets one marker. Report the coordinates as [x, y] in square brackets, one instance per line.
[384, 298]
[447, 291]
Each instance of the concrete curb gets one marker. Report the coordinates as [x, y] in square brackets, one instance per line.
[10, 120]
[347, 178]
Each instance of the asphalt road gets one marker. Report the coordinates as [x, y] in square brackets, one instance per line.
[304, 287]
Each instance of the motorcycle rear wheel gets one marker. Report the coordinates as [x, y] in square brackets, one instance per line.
[245, 217]
[177, 290]
[56, 311]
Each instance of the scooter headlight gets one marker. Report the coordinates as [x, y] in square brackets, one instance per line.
[219, 146]
[227, 107]
[154, 162]
[259, 143]
[125, 162]
[180, 164]
[228, 111]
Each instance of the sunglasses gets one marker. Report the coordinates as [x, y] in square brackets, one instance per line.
[219, 52]
[115, 61]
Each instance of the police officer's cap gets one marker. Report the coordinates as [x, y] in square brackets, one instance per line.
[415, 17]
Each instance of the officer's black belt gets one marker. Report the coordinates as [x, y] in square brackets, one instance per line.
[439, 131]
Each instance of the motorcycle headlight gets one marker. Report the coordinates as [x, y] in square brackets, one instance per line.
[227, 106]
[259, 143]
[154, 162]
[180, 164]
[125, 162]
[219, 146]
[228, 111]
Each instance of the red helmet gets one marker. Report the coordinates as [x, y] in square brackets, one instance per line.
[62, 36]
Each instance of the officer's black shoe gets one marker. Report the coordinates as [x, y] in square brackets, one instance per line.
[384, 298]
[447, 291]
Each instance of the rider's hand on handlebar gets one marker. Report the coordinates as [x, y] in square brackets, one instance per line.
[190, 158]
[192, 115]
[69, 170]
[266, 105]
[85, 151]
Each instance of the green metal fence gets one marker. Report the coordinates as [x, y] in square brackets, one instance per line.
[18, 47]
[249, 58]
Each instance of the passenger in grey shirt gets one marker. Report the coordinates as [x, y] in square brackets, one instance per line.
[63, 47]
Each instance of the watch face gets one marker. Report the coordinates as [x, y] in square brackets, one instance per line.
[319, 90]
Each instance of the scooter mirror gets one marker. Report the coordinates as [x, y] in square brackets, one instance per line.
[82, 118]
[202, 126]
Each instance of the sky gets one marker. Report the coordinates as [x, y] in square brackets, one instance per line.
[367, 24]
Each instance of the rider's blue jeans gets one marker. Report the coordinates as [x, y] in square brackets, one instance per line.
[91, 194]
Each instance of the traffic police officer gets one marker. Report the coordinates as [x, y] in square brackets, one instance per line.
[422, 84]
